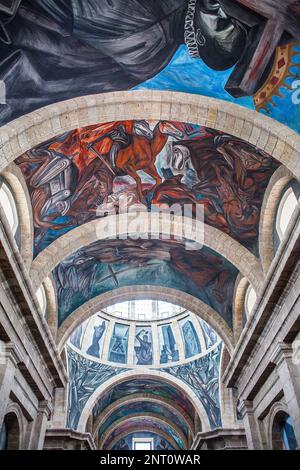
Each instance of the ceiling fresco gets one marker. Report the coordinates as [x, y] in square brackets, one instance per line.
[137, 165]
[110, 264]
[144, 424]
[152, 387]
[140, 408]
[114, 341]
[221, 48]
[202, 376]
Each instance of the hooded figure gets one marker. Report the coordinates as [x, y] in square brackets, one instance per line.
[53, 50]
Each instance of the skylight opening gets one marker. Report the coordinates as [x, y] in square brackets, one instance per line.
[285, 212]
[144, 310]
[9, 207]
[250, 300]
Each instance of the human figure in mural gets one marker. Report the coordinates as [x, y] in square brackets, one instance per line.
[144, 350]
[94, 349]
[192, 346]
[123, 445]
[162, 445]
[164, 355]
[75, 275]
[52, 50]
[230, 177]
[118, 348]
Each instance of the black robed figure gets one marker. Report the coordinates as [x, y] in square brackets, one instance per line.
[52, 50]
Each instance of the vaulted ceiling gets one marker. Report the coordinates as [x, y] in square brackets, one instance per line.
[73, 171]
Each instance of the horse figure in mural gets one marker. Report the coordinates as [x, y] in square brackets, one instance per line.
[142, 154]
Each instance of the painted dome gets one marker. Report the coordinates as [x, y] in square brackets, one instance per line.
[143, 333]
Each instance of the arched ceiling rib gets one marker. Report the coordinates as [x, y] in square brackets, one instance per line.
[139, 400]
[148, 421]
[31, 130]
[82, 236]
[152, 376]
[137, 428]
[138, 389]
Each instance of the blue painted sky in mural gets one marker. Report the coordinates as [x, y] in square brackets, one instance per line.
[188, 75]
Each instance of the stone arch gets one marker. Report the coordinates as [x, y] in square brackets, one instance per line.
[137, 399]
[16, 181]
[277, 414]
[153, 417]
[28, 131]
[51, 305]
[272, 197]
[160, 433]
[135, 374]
[99, 229]
[122, 294]
[14, 421]
[241, 286]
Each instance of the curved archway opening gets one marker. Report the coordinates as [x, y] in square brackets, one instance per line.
[283, 435]
[10, 435]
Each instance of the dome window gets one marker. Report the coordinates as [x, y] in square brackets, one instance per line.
[42, 299]
[286, 209]
[9, 207]
[250, 300]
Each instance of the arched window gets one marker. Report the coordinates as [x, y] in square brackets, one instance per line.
[42, 299]
[250, 300]
[8, 204]
[287, 435]
[283, 435]
[286, 208]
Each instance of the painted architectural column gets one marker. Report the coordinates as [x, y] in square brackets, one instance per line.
[10, 357]
[289, 376]
[250, 425]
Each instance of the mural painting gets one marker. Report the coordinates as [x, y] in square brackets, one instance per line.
[210, 335]
[118, 348]
[191, 341]
[110, 264]
[168, 347]
[85, 377]
[96, 331]
[139, 409]
[143, 346]
[203, 376]
[144, 424]
[90, 173]
[61, 50]
[151, 387]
